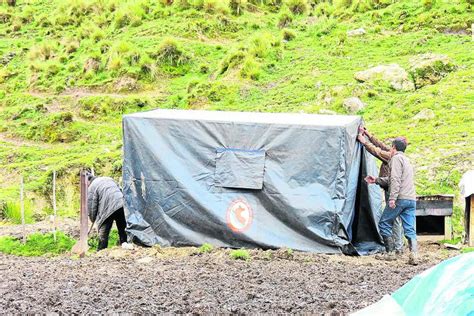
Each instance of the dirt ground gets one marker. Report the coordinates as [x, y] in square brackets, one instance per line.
[179, 280]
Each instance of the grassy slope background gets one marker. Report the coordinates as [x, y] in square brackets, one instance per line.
[70, 69]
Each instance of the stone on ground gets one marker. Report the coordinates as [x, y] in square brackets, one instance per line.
[393, 74]
[353, 104]
[424, 115]
[356, 32]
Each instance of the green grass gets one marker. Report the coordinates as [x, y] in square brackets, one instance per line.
[454, 241]
[93, 241]
[64, 64]
[240, 254]
[37, 245]
[206, 248]
[467, 249]
[11, 211]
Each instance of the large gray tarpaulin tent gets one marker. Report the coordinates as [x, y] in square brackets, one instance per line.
[235, 179]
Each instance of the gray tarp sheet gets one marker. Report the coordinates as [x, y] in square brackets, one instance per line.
[236, 179]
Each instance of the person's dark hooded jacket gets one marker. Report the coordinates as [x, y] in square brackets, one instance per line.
[104, 197]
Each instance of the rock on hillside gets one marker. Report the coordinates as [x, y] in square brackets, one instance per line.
[428, 69]
[395, 75]
[353, 104]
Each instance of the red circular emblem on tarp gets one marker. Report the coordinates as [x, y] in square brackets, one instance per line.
[239, 215]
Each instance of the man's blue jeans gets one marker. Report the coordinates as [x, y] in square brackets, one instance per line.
[406, 210]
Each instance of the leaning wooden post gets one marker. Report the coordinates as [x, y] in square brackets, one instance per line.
[22, 209]
[81, 247]
[54, 205]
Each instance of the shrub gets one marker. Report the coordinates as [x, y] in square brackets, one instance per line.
[43, 51]
[274, 5]
[284, 19]
[37, 244]
[428, 4]
[206, 248]
[261, 45]
[288, 35]
[213, 6]
[233, 59]
[297, 6]
[70, 46]
[240, 254]
[250, 69]
[97, 35]
[129, 15]
[237, 6]
[182, 4]
[204, 69]
[170, 53]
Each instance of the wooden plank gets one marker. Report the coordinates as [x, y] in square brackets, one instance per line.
[448, 228]
[471, 223]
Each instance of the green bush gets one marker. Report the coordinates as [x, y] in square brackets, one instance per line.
[428, 4]
[43, 51]
[233, 59]
[288, 35]
[37, 244]
[285, 19]
[297, 6]
[240, 254]
[261, 45]
[250, 69]
[214, 6]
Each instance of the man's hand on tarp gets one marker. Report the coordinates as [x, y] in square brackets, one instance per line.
[370, 179]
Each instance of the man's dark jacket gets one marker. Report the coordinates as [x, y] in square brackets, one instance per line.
[104, 197]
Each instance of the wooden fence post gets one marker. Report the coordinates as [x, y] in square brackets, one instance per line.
[22, 209]
[54, 205]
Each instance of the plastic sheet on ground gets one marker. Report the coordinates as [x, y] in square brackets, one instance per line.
[445, 289]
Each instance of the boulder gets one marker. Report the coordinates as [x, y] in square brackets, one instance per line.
[395, 75]
[428, 69]
[424, 115]
[357, 32]
[353, 104]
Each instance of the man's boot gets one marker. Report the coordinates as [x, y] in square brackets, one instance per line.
[389, 254]
[413, 259]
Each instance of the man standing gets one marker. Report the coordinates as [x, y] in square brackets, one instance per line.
[105, 204]
[401, 201]
[382, 152]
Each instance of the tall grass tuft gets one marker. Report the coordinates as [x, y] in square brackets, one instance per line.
[11, 211]
[169, 52]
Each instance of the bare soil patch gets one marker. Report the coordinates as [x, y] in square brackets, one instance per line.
[180, 280]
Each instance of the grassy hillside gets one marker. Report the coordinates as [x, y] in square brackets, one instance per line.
[71, 68]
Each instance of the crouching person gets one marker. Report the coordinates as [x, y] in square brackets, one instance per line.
[402, 201]
[105, 205]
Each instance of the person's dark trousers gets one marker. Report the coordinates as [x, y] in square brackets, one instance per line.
[104, 230]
